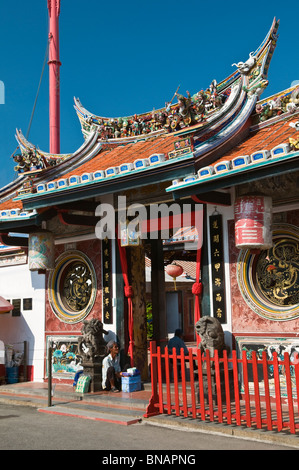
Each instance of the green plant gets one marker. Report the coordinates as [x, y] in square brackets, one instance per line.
[149, 318]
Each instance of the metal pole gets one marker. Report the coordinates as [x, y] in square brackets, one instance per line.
[50, 376]
[54, 79]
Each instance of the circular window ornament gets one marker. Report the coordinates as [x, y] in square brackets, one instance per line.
[269, 280]
[72, 287]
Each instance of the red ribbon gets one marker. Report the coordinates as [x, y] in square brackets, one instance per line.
[197, 288]
[128, 291]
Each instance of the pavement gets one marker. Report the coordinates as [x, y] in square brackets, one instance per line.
[121, 408]
[126, 408]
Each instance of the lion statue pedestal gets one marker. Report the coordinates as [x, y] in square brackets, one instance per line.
[92, 348]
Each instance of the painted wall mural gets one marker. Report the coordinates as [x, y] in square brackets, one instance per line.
[245, 320]
[41, 250]
[269, 280]
[269, 345]
[72, 287]
[66, 360]
[53, 324]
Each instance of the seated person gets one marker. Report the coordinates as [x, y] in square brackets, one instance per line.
[111, 370]
[177, 342]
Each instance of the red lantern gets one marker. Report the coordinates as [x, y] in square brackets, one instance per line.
[174, 270]
[253, 222]
[5, 306]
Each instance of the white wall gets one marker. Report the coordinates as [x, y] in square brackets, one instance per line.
[17, 282]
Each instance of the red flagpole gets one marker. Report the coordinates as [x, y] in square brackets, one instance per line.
[54, 80]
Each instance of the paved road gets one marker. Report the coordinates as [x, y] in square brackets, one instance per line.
[24, 428]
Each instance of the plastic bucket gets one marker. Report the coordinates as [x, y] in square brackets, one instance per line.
[12, 375]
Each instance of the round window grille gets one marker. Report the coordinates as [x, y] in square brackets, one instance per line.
[72, 287]
[269, 281]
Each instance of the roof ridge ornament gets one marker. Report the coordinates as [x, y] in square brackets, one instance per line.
[278, 105]
[245, 67]
[32, 158]
[188, 111]
[195, 112]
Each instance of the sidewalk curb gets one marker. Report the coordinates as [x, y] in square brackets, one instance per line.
[86, 414]
[239, 432]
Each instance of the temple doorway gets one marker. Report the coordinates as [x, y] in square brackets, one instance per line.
[173, 312]
[170, 302]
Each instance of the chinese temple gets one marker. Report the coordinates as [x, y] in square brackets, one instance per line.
[184, 211]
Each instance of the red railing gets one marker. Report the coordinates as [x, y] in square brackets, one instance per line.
[255, 392]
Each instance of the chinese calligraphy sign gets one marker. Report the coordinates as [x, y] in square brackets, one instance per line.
[217, 261]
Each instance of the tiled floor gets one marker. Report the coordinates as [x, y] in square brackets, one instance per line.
[41, 388]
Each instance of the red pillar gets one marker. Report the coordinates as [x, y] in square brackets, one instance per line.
[54, 80]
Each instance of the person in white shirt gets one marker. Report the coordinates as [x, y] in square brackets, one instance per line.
[111, 370]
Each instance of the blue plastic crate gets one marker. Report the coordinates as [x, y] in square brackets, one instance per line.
[131, 384]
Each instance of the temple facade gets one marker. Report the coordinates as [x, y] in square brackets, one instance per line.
[159, 219]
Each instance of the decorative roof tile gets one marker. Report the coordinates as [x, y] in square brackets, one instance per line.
[263, 139]
[124, 154]
[264, 144]
[10, 204]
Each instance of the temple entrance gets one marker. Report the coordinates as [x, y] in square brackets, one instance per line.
[170, 300]
[161, 302]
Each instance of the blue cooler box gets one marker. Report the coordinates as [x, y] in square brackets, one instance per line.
[131, 383]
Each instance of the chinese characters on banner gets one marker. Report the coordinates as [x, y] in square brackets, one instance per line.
[217, 260]
[253, 222]
[107, 281]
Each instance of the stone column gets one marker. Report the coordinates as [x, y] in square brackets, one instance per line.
[158, 291]
[137, 262]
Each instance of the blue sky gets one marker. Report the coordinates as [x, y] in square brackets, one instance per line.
[122, 58]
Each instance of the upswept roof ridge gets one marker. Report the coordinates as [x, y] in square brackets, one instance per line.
[174, 117]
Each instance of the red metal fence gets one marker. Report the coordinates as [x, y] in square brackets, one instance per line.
[252, 391]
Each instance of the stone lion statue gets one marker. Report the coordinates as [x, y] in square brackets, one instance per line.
[211, 334]
[92, 344]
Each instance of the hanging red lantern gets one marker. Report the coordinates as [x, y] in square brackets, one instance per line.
[253, 222]
[5, 306]
[174, 270]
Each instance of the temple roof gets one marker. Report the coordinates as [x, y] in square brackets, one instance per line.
[215, 126]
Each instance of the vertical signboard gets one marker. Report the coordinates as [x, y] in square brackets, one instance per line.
[217, 261]
[107, 281]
